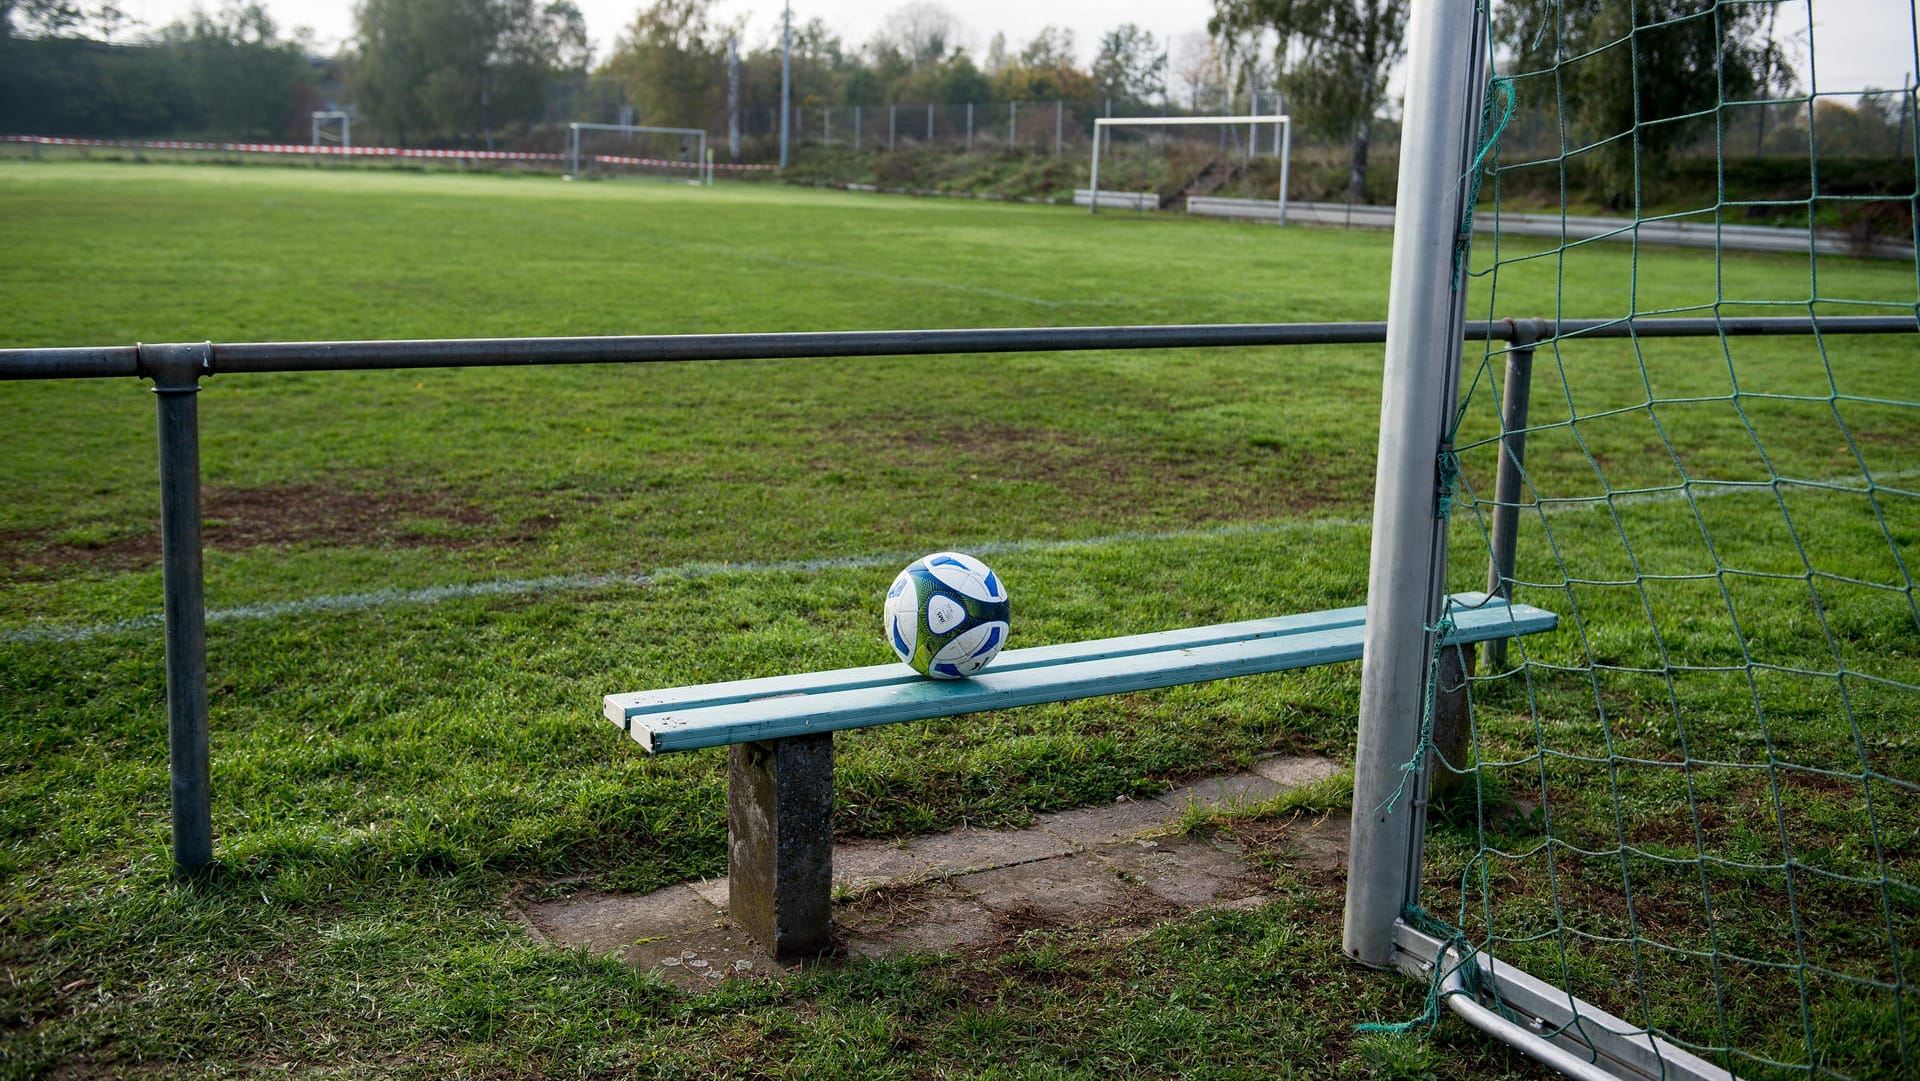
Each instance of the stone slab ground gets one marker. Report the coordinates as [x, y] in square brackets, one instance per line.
[1123, 865]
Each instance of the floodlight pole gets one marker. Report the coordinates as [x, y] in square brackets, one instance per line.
[1445, 74]
[733, 98]
[786, 77]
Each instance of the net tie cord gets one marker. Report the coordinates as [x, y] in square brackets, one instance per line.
[1411, 768]
[1490, 132]
[1474, 980]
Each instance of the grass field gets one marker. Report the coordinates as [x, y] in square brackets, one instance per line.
[421, 583]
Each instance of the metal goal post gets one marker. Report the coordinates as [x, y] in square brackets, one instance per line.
[701, 163]
[324, 121]
[1282, 142]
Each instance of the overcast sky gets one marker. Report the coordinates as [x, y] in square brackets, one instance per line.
[1858, 42]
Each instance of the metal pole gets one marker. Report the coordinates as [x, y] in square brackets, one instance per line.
[1286, 155]
[969, 127]
[1012, 122]
[1419, 384]
[856, 129]
[1506, 481]
[1059, 124]
[826, 124]
[176, 371]
[893, 124]
[786, 77]
[733, 99]
[1093, 181]
[929, 123]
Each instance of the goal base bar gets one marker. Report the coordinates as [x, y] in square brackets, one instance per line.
[1570, 1035]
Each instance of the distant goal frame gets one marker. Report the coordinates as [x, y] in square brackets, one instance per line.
[1282, 139]
[702, 162]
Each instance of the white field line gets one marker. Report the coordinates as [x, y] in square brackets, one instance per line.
[575, 583]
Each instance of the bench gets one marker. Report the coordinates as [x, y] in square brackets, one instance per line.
[779, 730]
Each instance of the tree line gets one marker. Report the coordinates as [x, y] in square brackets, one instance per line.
[473, 72]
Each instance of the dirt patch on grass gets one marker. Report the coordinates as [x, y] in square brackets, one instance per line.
[1111, 479]
[236, 519]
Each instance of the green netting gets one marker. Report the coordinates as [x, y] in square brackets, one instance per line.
[1697, 804]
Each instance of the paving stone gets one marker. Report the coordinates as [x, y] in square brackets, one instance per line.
[1293, 771]
[1321, 844]
[1104, 823]
[1187, 871]
[1070, 891]
[1074, 868]
[711, 890]
[1231, 790]
[610, 922]
[863, 864]
[701, 960]
[932, 917]
[962, 851]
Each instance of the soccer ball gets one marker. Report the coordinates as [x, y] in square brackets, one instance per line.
[947, 615]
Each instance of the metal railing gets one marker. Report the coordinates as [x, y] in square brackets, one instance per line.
[177, 369]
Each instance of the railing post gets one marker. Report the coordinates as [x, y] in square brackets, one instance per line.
[1506, 481]
[1420, 382]
[780, 843]
[176, 371]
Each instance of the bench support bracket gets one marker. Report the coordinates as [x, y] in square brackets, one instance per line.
[780, 843]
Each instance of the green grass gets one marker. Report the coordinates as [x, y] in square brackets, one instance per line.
[388, 773]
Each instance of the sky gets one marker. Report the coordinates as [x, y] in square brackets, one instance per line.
[1859, 42]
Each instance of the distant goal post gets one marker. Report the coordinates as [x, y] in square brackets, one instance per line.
[701, 161]
[328, 122]
[1282, 143]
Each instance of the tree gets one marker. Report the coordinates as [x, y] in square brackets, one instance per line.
[449, 68]
[1634, 82]
[1348, 48]
[243, 78]
[922, 32]
[669, 60]
[1131, 66]
[1198, 64]
[1044, 71]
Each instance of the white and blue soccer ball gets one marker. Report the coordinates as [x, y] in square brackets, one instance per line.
[947, 615]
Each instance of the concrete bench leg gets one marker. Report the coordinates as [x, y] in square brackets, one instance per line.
[780, 843]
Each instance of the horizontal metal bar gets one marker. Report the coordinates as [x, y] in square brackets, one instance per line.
[84, 362]
[640, 128]
[260, 357]
[1187, 121]
[1573, 1036]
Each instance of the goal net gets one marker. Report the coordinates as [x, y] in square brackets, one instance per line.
[633, 150]
[1680, 835]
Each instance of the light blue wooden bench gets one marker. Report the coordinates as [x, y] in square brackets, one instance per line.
[779, 730]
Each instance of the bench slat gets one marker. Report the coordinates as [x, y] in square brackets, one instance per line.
[621, 707]
[775, 708]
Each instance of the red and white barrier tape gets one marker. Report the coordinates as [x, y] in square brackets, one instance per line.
[360, 151]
